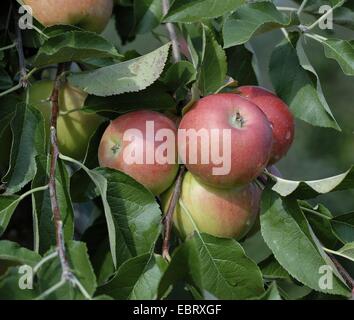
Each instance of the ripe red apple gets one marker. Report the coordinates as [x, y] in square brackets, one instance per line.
[245, 150]
[225, 213]
[92, 15]
[279, 116]
[118, 143]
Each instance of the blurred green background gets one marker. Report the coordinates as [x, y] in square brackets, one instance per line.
[317, 152]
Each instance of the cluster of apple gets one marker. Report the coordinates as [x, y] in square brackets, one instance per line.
[226, 205]
[261, 126]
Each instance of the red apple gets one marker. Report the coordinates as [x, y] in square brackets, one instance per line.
[244, 149]
[279, 116]
[92, 15]
[225, 213]
[131, 137]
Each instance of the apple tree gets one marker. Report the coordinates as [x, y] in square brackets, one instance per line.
[77, 222]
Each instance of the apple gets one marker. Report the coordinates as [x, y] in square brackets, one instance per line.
[245, 147]
[91, 15]
[74, 127]
[224, 213]
[149, 166]
[279, 116]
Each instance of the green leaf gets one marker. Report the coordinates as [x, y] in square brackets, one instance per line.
[347, 251]
[320, 219]
[344, 17]
[74, 46]
[256, 248]
[101, 184]
[51, 272]
[272, 293]
[340, 50]
[10, 289]
[8, 204]
[287, 234]
[7, 111]
[217, 266]
[240, 65]
[42, 205]
[148, 15]
[154, 97]
[137, 279]
[252, 19]
[343, 226]
[179, 75]
[128, 76]
[289, 290]
[11, 251]
[311, 189]
[136, 214]
[271, 269]
[5, 80]
[197, 10]
[296, 82]
[213, 68]
[28, 141]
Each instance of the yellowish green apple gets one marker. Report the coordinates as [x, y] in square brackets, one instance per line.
[75, 127]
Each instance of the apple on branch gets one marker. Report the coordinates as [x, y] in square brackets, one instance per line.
[142, 144]
[225, 213]
[249, 140]
[75, 127]
[278, 114]
[91, 15]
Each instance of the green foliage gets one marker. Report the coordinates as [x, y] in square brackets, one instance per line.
[112, 225]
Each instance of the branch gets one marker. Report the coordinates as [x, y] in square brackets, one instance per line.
[54, 98]
[172, 32]
[344, 273]
[323, 17]
[21, 57]
[303, 4]
[169, 215]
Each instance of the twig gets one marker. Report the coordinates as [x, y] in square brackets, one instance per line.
[8, 19]
[344, 273]
[44, 260]
[323, 17]
[51, 290]
[21, 57]
[169, 215]
[286, 34]
[16, 87]
[10, 46]
[172, 33]
[280, 8]
[303, 4]
[60, 245]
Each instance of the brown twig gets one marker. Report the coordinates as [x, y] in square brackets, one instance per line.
[167, 222]
[169, 214]
[60, 245]
[21, 57]
[344, 273]
[172, 33]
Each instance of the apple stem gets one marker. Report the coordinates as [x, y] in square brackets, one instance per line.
[172, 33]
[60, 245]
[167, 221]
